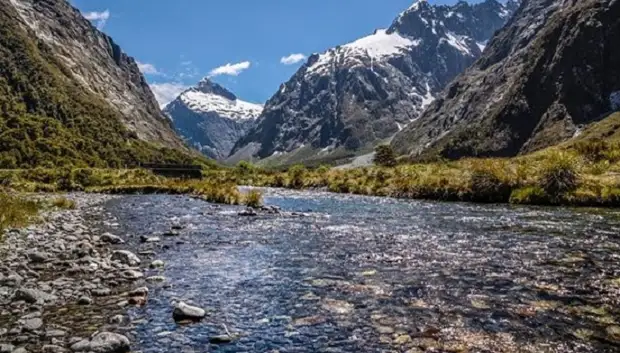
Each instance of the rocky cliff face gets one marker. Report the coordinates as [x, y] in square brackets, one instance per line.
[350, 97]
[211, 118]
[552, 69]
[99, 64]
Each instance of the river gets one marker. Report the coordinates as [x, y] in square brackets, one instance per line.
[338, 273]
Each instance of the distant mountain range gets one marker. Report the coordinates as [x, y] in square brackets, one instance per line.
[348, 99]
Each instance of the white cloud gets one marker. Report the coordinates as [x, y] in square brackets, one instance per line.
[101, 18]
[166, 92]
[148, 69]
[292, 59]
[230, 69]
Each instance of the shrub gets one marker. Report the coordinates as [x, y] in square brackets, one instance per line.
[64, 203]
[487, 187]
[385, 156]
[559, 176]
[593, 150]
[16, 211]
[253, 198]
[297, 174]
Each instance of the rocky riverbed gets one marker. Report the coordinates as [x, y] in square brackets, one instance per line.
[314, 272]
[65, 283]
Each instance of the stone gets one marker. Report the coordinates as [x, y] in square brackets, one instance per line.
[117, 320]
[38, 257]
[172, 233]
[101, 292]
[183, 311]
[55, 333]
[84, 300]
[153, 279]
[144, 239]
[20, 350]
[139, 292]
[111, 239]
[126, 258]
[50, 348]
[157, 264]
[32, 324]
[104, 342]
[133, 275]
[32, 296]
[6, 348]
[221, 339]
[248, 213]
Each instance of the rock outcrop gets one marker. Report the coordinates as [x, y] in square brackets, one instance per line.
[553, 69]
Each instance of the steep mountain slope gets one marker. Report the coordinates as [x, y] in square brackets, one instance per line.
[552, 69]
[211, 118]
[98, 64]
[47, 116]
[351, 97]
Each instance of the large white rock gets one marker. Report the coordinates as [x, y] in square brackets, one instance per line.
[183, 311]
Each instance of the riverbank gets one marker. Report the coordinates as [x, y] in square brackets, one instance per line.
[65, 283]
[582, 174]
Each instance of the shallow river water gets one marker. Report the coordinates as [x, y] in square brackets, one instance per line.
[336, 273]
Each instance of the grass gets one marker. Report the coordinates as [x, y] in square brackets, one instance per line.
[64, 203]
[16, 211]
[581, 172]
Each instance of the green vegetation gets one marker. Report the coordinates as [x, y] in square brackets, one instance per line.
[385, 156]
[64, 203]
[253, 199]
[49, 120]
[16, 211]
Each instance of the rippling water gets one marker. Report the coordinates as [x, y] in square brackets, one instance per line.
[361, 274]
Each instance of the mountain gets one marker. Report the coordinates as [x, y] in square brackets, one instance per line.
[69, 95]
[347, 99]
[553, 69]
[211, 118]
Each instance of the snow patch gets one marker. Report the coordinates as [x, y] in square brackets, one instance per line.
[457, 42]
[224, 107]
[377, 46]
[482, 45]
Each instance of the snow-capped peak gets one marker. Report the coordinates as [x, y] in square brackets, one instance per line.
[209, 97]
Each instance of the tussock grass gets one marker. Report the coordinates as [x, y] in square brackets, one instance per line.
[253, 199]
[16, 211]
[64, 203]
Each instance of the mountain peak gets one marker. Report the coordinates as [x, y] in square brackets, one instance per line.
[207, 86]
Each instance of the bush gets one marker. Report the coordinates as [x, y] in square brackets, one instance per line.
[64, 203]
[385, 156]
[487, 187]
[559, 176]
[16, 212]
[297, 175]
[253, 198]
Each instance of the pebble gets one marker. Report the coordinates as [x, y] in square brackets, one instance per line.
[126, 258]
[157, 264]
[111, 239]
[84, 300]
[104, 342]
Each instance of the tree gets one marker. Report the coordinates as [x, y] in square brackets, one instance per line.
[385, 156]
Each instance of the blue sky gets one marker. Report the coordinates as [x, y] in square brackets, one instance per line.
[239, 43]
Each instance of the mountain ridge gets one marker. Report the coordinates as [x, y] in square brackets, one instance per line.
[351, 97]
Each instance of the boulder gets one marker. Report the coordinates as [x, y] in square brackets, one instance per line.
[126, 257]
[111, 239]
[183, 311]
[104, 342]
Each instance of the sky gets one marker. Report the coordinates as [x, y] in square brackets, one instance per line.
[248, 46]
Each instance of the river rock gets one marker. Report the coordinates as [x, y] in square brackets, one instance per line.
[32, 296]
[111, 239]
[104, 342]
[157, 264]
[6, 348]
[31, 324]
[126, 257]
[221, 339]
[38, 257]
[183, 311]
[50, 348]
[20, 350]
[84, 300]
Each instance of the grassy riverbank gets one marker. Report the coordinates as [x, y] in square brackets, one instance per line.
[584, 172]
